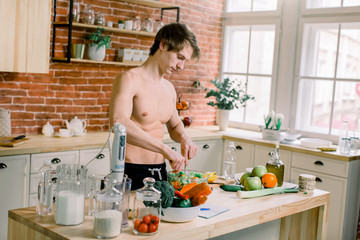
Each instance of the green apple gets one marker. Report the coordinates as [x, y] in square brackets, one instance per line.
[258, 171]
[252, 183]
[244, 176]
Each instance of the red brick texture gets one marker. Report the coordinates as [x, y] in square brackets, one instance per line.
[83, 90]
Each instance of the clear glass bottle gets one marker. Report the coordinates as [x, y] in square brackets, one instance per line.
[45, 191]
[230, 161]
[136, 23]
[354, 145]
[108, 211]
[276, 166]
[147, 209]
[343, 134]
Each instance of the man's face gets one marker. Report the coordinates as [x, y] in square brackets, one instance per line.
[172, 61]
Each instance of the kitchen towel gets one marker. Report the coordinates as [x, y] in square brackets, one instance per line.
[210, 210]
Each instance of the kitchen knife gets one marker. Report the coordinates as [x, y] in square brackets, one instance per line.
[265, 192]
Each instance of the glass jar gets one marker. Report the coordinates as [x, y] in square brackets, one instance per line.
[108, 211]
[147, 208]
[75, 12]
[88, 15]
[158, 25]
[354, 144]
[100, 19]
[136, 24]
[148, 25]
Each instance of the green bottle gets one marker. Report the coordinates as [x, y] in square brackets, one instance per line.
[276, 166]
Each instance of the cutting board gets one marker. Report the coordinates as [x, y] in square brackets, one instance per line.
[10, 142]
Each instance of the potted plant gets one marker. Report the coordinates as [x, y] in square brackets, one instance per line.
[98, 44]
[121, 24]
[230, 94]
[273, 123]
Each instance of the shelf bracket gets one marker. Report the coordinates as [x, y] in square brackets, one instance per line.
[171, 8]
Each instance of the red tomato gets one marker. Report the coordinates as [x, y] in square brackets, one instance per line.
[143, 228]
[146, 219]
[152, 228]
[137, 223]
[155, 220]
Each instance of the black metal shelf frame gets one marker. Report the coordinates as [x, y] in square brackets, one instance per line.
[70, 26]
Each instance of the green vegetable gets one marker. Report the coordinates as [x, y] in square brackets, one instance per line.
[231, 188]
[176, 202]
[185, 203]
[264, 192]
[167, 193]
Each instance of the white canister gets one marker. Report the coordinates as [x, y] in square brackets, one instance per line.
[5, 123]
[128, 24]
[48, 129]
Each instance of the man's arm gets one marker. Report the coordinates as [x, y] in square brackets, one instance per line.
[121, 107]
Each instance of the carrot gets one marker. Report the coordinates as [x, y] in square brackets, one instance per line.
[206, 191]
[198, 200]
[196, 190]
[188, 187]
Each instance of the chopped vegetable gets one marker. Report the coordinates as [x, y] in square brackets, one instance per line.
[196, 190]
[180, 195]
[188, 187]
[185, 203]
[198, 200]
[167, 193]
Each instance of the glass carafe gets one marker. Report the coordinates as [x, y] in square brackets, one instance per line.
[276, 166]
[70, 194]
[147, 208]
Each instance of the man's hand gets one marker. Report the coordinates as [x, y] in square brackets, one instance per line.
[176, 160]
[188, 149]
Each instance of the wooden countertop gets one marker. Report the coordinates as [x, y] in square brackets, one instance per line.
[41, 144]
[243, 213]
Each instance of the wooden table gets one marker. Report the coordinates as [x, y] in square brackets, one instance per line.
[302, 216]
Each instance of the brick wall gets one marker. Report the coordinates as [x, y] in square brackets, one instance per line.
[83, 90]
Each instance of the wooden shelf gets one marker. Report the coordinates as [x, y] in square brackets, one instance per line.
[78, 60]
[109, 29]
[151, 3]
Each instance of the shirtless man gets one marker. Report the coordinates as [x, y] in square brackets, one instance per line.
[144, 101]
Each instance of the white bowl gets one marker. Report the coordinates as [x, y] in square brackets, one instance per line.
[172, 214]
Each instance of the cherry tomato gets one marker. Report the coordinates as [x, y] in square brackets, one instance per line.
[155, 220]
[152, 228]
[146, 219]
[143, 228]
[137, 223]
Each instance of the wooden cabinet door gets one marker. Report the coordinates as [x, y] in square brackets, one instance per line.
[244, 155]
[101, 163]
[25, 42]
[14, 180]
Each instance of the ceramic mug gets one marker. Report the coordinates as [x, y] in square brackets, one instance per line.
[128, 24]
[64, 132]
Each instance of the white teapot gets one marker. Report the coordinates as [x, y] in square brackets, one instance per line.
[76, 126]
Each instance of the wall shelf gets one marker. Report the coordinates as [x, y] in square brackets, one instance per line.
[78, 60]
[151, 3]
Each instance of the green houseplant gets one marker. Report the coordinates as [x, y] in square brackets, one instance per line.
[229, 94]
[98, 44]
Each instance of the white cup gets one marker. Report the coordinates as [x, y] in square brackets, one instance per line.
[128, 24]
[64, 132]
[109, 24]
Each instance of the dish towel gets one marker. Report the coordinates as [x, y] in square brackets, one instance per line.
[209, 210]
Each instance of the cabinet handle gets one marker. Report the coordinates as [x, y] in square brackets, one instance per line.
[3, 166]
[206, 146]
[100, 156]
[238, 147]
[319, 163]
[54, 180]
[318, 180]
[174, 148]
[55, 161]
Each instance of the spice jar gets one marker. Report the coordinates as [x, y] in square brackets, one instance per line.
[100, 19]
[88, 15]
[75, 12]
[147, 208]
[148, 25]
[136, 24]
[158, 25]
[108, 211]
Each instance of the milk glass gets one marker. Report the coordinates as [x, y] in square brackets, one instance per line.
[70, 194]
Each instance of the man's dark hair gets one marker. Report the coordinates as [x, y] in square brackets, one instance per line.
[175, 36]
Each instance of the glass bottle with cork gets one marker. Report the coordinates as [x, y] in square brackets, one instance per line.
[276, 166]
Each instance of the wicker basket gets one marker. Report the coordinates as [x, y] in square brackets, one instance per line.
[5, 123]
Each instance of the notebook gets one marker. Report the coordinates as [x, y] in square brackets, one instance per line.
[209, 210]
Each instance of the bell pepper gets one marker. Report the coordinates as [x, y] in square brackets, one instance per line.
[185, 203]
[180, 195]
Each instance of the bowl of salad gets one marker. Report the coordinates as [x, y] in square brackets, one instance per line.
[182, 178]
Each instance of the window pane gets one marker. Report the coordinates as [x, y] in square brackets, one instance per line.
[255, 110]
[348, 3]
[314, 105]
[319, 50]
[245, 5]
[349, 51]
[236, 49]
[323, 3]
[262, 49]
[346, 105]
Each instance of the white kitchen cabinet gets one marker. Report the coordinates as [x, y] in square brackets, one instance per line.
[101, 163]
[66, 157]
[261, 157]
[207, 159]
[14, 181]
[342, 180]
[244, 155]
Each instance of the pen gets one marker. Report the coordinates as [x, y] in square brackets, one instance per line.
[203, 209]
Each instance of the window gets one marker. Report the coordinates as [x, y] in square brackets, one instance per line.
[329, 71]
[249, 47]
